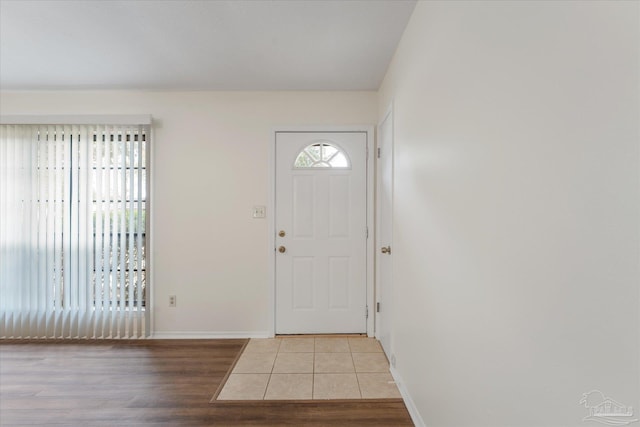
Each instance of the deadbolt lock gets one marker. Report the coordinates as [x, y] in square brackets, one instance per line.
[281, 233]
[386, 249]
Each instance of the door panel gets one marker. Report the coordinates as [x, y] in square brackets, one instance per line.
[302, 284]
[339, 283]
[303, 207]
[321, 273]
[339, 207]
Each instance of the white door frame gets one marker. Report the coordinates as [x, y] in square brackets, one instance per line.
[271, 248]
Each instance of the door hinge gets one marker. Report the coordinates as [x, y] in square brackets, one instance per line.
[377, 307]
[367, 231]
[366, 312]
[378, 152]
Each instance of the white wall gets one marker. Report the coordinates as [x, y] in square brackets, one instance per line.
[517, 206]
[210, 168]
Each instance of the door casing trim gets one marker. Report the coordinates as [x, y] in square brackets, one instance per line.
[271, 229]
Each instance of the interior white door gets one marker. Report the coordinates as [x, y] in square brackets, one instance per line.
[320, 225]
[384, 303]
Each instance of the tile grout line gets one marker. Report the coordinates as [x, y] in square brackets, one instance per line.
[355, 371]
[274, 362]
[264, 396]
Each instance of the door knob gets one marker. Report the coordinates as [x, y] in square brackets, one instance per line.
[282, 249]
[386, 249]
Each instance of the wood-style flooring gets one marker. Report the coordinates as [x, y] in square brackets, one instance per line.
[152, 383]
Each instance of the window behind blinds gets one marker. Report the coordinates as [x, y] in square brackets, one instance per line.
[73, 231]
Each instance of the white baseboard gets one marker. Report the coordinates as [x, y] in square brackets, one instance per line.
[411, 406]
[203, 335]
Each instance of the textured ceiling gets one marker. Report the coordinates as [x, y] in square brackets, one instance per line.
[199, 45]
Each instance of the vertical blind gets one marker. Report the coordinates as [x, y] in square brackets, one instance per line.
[73, 204]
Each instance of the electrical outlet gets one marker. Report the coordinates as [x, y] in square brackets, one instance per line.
[172, 300]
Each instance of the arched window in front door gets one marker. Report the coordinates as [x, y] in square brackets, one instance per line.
[322, 154]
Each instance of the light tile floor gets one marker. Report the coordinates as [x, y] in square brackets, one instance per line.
[304, 368]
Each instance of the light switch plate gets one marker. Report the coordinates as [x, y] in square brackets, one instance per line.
[259, 211]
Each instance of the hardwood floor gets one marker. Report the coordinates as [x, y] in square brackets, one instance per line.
[152, 383]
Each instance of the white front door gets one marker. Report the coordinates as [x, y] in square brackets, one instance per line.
[384, 302]
[320, 225]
